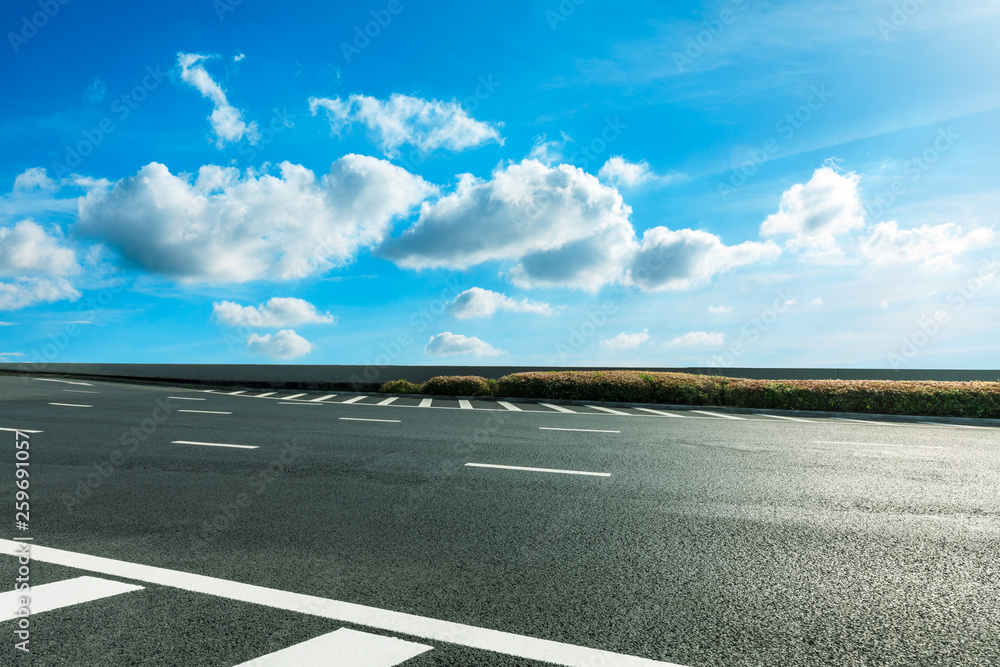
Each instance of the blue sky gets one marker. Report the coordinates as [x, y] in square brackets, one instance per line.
[733, 183]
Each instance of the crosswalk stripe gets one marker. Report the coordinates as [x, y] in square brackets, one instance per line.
[718, 414]
[790, 419]
[464, 404]
[237, 393]
[660, 412]
[343, 648]
[288, 398]
[354, 400]
[557, 408]
[59, 594]
[609, 410]
[388, 400]
[425, 402]
[509, 406]
[323, 398]
[266, 394]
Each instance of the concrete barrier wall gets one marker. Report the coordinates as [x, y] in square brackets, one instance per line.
[368, 378]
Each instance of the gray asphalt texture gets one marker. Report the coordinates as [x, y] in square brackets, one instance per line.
[714, 541]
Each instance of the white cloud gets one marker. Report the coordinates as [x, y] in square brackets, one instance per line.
[8, 324]
[227, 121]
[5, 357]
[621, 173]
[720, 309]
[884, 304]
[815, 213]
[478, 302]
[447, 344]
[548, 152]
[931, 245]
[626, 341]
[403, 119]
[26, 249]
[817, 301]
[35, 178]
[276, 312]
[286, 344]
[24, 292]
[224, 226]
[698, 339]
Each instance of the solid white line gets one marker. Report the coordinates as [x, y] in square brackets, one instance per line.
[353, 400]
[309, 405]
[82, 384]
[951, 425]
[871, 444]
[464, 404]
[585, 430]
[862, 421]
[322, 398]
[265, 394]
[425, 402]
[506, 643]
[661, 413]
[388, 400]
[81, 391]
[563, 472]
[509, 406]
[791, 419]
[343, 648]
[59, 594]
[185, 398]
[557, 408]
[211, 444]
[361, 419]
[72, 405]
[609, 410]
[717, 414]
[288, 398]
[208, 412]
[20, 430]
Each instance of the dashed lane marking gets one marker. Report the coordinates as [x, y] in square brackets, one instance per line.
[361, 419]
[266, 394]
[184, 398]
[72, 405]
[790, 419]
[509, 406]
[59, 594]
[609, 410]
[558, 408]
[505, 643]
[563, 472]
[718, 414]
[343, 648]
[388, 401]
[308, 405]
[288, 398]
[211, 444]
[208, 412]
[81, 391]
[661, 413]
[585, 430]
[237, 393]
[20, 430]
[82, 384]
[353, 400]
[321, 398]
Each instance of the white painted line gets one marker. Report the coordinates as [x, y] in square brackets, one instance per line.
[81, 391]
[871, 444]
[20, 430]
[609, 410]
[509, 406]
[585, 430]
[208, 412]
[343, 648]
[717, 414]
[425, 402]
[353, 400]
[557, 408]
[211, 444]
[506, 643]
[59, 594]
[308, 405]
[661, 413]
[82, 384]
[791, 419]
[388, 401]
[237, 393]
[951, 425]
[72, 405]
[563, 472]
[464, 404]
[322, 398]
[360, 419]
[265, 394]
[862, 421]
[185, 398]
[288, 398]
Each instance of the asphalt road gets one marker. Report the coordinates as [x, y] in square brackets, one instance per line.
[699, 539]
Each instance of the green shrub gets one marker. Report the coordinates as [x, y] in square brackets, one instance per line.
[459, 385]
[401, 387]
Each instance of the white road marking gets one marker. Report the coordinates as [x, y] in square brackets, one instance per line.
[661, 413]
[20, 430]
[82, 384]
[464, 404]
[557, 408]
[862, 421]
[72, 405]
[59, 594]
[563, 472]
[791, 419]
[288, 398]
[509, 406]
[717, 414]
[506, 643]
[322, 398]
[585, 430]
[185, 398]
[353, 400]
[237, 393]
[308, 405]
[951, 425]
[211, 444]
[343, 648]
[609, 410]
[208, 412]
[425, 402]
[871, 444]
[361, 419]
[81, 391]
[266, 394]
[388, 400]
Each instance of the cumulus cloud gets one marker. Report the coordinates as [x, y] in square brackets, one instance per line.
[478, 302]
[286, 344]
[930, 245]
[403, 119]
[548, 152]
[227, 121]
[24, 292]
[224, 226]
[276, 312]
[626, 341]
[37, 265]
[35, 178]
[447, 344]
[815, 213]
[720, 309]
[698, 339]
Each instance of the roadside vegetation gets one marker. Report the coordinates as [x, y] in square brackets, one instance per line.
[888, 397]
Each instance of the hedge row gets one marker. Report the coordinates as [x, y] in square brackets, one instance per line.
[890, 397]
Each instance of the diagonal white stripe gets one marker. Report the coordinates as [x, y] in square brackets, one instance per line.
[66, 593]
[343, 648]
